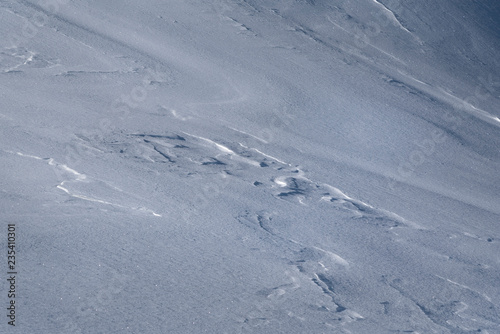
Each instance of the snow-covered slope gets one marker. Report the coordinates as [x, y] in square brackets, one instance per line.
[250, 166]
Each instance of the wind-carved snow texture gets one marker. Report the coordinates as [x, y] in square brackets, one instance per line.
[246, 185]
[414, 86]
[79, 186]
[188, 154]
[393, 17]
[311, 265]
[18, 59]
[241, 27]
[446, 310]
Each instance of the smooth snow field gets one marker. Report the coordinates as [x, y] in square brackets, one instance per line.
[250, 166]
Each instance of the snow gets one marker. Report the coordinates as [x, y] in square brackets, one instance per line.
[250, 166]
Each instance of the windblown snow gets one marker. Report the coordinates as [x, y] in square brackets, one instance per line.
[251, 166]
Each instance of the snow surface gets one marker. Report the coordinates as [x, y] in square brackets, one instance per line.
[251, 166]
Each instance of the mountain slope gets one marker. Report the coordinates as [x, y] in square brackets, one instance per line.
[252, 166]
